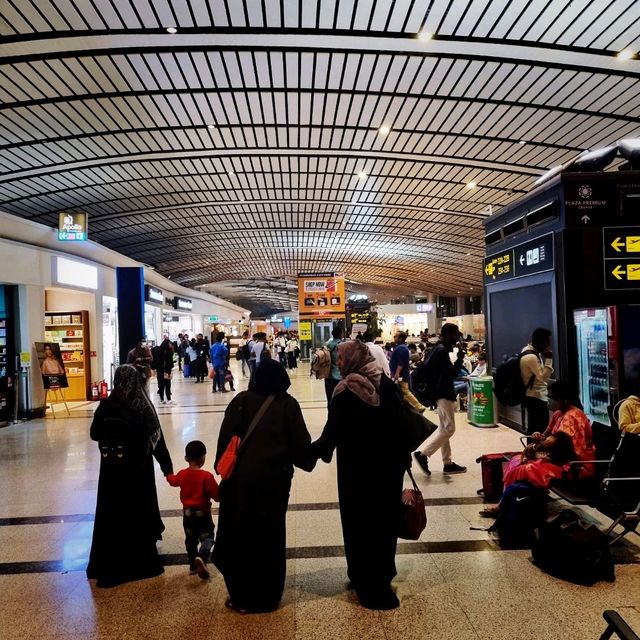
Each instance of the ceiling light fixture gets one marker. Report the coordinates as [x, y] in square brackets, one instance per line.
[211, 126]
[384, 130]
[172, 29]
[626, 54]
[425, 35]
[362, 176]
[522, 142]
[231, 173]
[471, 185]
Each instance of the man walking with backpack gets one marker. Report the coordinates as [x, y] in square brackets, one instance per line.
[439, 373]
[536, 369]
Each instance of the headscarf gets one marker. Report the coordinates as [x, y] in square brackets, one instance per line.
[360, 372]
[128, 385]
[271, 377]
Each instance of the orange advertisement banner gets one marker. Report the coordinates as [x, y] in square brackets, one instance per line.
[321, 295]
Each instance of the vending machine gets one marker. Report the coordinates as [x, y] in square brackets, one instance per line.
[608, 343]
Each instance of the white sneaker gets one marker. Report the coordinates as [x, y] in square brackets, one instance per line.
[172, 403]
[163, 402]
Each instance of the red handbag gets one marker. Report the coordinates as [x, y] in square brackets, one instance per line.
[413, 518]
[228, 459]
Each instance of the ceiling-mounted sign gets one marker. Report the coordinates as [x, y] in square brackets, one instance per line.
[321, 294]
[621, 251]
[184, 304]
[212, 319]
[424, 308]
[153, 294]
[534, 256]
[72, 227]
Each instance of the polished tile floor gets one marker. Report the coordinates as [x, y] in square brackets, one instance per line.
[454, 583]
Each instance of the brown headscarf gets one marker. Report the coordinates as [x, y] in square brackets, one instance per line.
[360, 372]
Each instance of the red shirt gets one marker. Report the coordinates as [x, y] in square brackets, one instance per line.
[197, 488]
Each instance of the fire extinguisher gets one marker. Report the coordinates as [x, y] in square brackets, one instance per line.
[104, 389]
[94, 391]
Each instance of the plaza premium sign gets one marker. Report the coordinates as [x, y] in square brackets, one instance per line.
[72, 227]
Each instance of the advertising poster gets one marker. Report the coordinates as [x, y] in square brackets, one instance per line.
[51, 365]
[321, 294]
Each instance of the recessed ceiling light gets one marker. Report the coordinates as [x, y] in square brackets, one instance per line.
[231, 173]
[468, 254]
[425, 35]
[211, 126]
[172, 29]
[441, 208]
[626, 54]
[522, 142]
[362, 175]
[471, 185]
[384, 130]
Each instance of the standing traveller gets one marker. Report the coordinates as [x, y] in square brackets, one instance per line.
[377, 352]
[218, 354]
[292, 347]
[201, 348]
[400, 370]
[127, 523]
[197, 488]
[281, 345]
[331, 382]
[250, 551]
[244, 353]
[441, 373]
[536, 367]
[140, 357]
[362, 428]
[164, 368]
[178, 351]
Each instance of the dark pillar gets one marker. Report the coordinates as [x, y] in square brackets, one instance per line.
[130, 291]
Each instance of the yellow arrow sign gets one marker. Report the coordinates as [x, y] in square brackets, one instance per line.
[617, 244]
[618, 272]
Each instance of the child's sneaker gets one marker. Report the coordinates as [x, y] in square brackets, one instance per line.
[201, 569]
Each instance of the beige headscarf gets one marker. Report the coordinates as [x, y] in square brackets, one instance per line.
[360, 372]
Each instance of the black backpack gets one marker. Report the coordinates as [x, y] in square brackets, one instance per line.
[572, 549]
[425, 380]
[522, 510]
[507, 381]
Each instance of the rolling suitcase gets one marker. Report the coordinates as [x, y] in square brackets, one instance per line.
[492, 467]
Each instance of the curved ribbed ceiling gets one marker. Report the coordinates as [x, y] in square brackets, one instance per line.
[247, 146]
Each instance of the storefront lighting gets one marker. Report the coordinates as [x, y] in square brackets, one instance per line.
[626, 54]
[78, 274]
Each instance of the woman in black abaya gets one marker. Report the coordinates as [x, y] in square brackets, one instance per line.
[250, 546]
[362, 428]
[127, 523]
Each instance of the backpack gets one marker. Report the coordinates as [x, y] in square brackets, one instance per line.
[321, 363]
[568, 547]
[156, 357]
[507, 381]
[425, 380]
[522, 510]
[242, 352]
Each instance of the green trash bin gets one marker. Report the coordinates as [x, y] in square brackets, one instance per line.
[482, 404]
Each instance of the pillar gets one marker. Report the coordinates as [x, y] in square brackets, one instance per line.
[130, 293]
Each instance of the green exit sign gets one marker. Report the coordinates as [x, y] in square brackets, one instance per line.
[213, 318]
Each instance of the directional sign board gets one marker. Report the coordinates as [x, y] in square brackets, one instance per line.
[534, 256]
[621, 251]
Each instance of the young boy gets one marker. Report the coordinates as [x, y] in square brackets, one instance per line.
[197, 488]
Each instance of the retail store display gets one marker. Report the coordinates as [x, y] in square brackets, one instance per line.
[70, 332]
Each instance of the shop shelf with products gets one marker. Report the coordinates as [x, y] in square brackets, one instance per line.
[71, 331]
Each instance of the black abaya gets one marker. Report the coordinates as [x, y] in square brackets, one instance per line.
[366, 441]
[127, 522]
[251, 541]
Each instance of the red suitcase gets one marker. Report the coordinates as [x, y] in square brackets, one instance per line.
[492, 466]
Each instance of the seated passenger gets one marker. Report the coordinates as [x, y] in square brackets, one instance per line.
[569, 418]
[629, 416]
